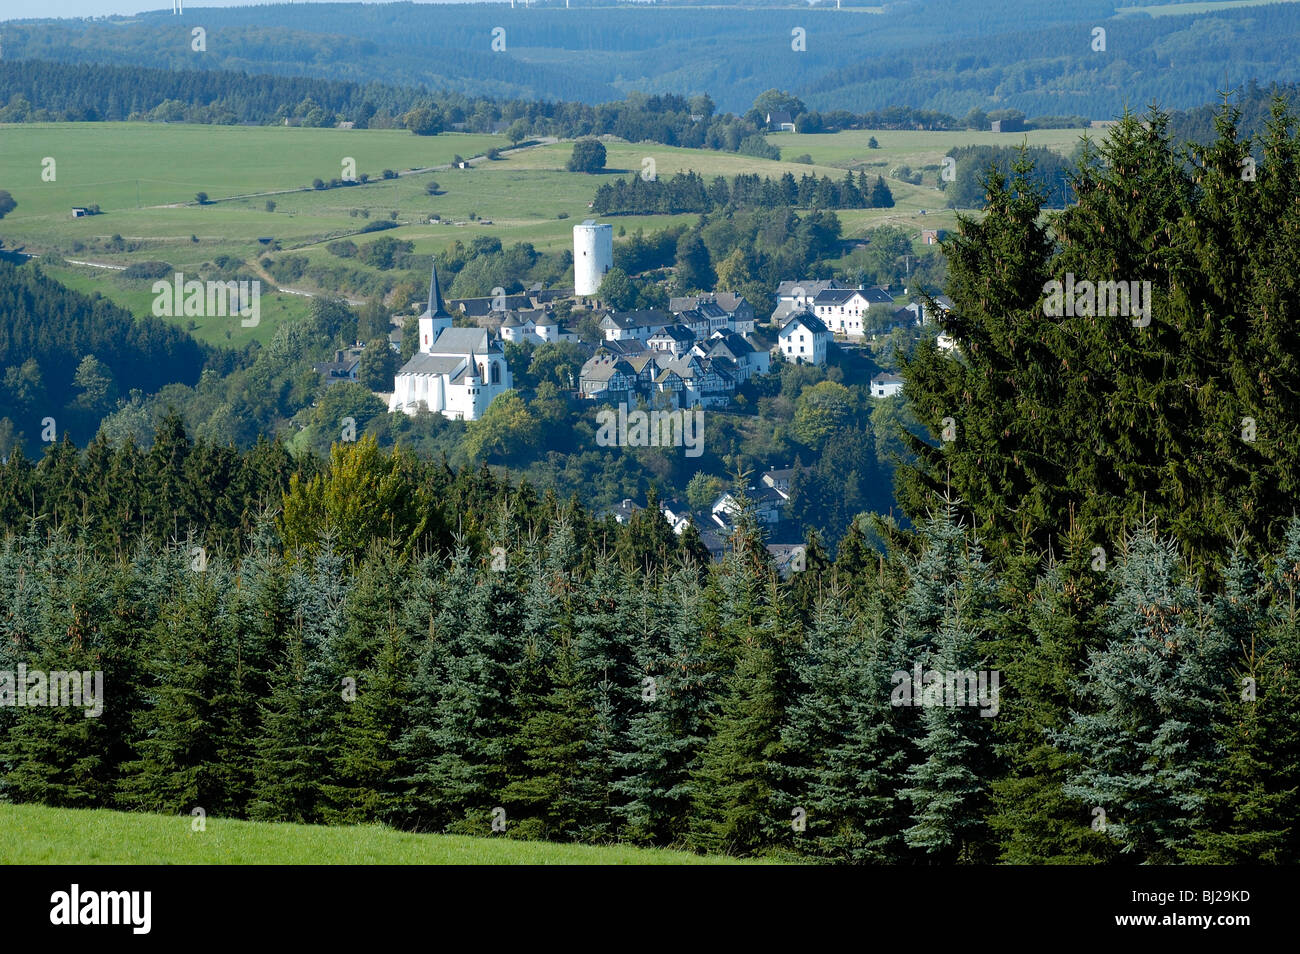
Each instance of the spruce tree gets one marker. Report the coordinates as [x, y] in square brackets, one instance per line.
[1146, 739]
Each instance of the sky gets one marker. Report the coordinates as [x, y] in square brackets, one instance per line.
[25, 9]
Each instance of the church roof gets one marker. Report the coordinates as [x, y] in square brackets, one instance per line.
[422, 363]
[460, 341]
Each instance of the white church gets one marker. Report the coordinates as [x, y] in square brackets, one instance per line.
[456, 372]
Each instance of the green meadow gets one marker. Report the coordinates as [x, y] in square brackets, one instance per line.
[37, 835]
[144, 176]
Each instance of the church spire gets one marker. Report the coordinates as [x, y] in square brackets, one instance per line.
[435, 307]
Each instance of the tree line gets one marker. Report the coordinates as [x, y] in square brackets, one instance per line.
[1186, 412]
[688, 192]
[488, 662]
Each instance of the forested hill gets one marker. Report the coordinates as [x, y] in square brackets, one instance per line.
[67, 356]
[945, 55]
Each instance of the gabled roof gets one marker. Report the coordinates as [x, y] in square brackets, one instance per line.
[808, 320]
[887, 378]
[729, 301]
[461, 341]
[834, 296]
[645, 318]
[732, 345]
[838, 296]
[637, 362]
[675, 332]
[602, 368]
[811, 287]
[630, 346]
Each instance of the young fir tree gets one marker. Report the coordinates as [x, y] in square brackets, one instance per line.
[55, 754]
[1146, 742]
[435, 597]
[551, 714]
[367, 765]
[945, 614]
[1254, 798]
[666, 731]
[731, 784]
[1035, 821]
[842, 755]
[287, 784]
[179, 767]
[470, 722]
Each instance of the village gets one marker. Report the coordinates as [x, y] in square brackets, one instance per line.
[692, 355]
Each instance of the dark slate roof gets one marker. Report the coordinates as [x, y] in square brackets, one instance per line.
[731, 344]
[834, 296]
[675, 332]
[629, 347]
[837, 296]
[645, 318]
[785, 289]
[809, 321]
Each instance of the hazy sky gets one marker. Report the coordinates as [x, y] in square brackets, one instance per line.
[24, 9]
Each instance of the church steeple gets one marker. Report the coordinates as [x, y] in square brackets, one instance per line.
[435, 308]
[436, 319]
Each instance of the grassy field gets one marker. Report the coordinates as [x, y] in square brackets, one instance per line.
[145, 176]
[914, 148]
[137, 298]
[35, 835]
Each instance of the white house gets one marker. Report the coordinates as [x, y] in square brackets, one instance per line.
[622, 325]
[766, 501]
[804, 339]
[456, 372]
[675, 339]
[886, 385]
[844, 310]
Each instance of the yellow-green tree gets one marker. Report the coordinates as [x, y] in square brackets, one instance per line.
[364, 495]
[507, 429]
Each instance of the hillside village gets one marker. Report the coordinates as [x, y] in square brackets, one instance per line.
[694, 354]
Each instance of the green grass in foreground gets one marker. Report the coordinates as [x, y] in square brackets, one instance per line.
[34, 834]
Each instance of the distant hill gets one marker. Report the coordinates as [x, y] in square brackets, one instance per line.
[946, 55]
